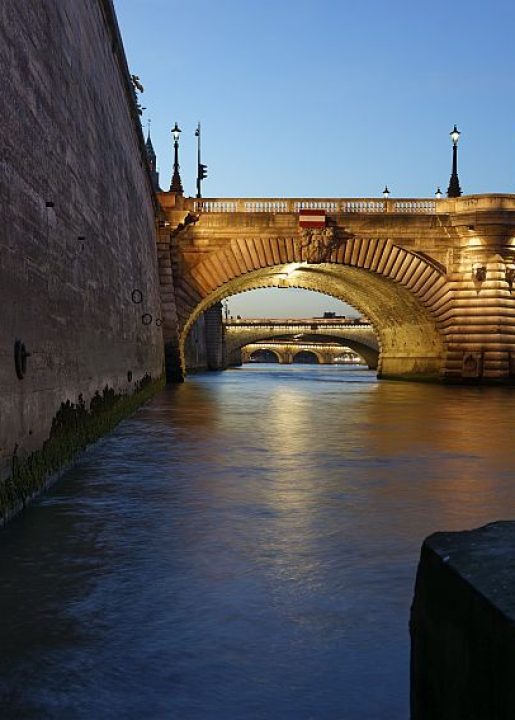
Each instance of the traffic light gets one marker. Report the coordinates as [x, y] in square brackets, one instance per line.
[202, 171]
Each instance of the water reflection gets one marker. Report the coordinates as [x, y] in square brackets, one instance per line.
[245, 547]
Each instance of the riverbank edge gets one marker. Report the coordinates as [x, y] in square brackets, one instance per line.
[450, 382]
[74, 428]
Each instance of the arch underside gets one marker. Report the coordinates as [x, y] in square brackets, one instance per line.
[410, 343]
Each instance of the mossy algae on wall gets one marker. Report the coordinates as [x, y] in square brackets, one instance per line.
[74, 427]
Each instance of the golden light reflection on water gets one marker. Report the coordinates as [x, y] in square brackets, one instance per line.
[291, 494]
[288, 415]
[452, 443]
[460, 434]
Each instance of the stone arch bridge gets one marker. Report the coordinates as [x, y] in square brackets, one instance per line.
[434, 277]
[288, 352]
[359, 337]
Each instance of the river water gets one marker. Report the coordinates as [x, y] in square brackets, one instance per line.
[244, 548]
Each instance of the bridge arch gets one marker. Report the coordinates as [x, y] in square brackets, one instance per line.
[399, 290]
[302, 356]
[255, 353]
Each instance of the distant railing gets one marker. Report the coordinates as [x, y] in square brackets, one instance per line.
[271, 342]
[300, 322]
[331, 206]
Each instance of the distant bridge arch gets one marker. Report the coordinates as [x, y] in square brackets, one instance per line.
[260, 355]
[307, 356]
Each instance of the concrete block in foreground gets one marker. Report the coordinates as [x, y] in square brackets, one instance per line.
[463, 626]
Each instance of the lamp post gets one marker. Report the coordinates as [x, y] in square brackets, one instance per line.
[454, 189]
[176, 184]
[386, 195]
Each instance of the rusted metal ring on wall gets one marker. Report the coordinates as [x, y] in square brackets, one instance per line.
[137, 296]
[20, 359]
[158, 322]
[146, 318]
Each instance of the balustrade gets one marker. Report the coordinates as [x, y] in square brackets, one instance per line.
[331, 206]
[300, 323]
[334, 206]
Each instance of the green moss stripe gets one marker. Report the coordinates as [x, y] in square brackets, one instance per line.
[73, 428]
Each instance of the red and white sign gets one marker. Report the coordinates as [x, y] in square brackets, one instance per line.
[312, 218]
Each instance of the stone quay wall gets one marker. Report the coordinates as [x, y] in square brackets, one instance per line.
[79, 282]
[463, 626]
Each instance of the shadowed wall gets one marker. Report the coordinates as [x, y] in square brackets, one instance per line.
[78, 267]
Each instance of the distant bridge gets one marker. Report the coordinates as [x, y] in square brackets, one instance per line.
[292, 352]
[358, 336]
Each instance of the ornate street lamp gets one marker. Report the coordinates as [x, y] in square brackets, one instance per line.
[438, 193]
[386, 192]
[454, 189]
[176, 184]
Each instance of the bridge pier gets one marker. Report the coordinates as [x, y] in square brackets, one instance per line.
[215, 338]
[407, 367]
[481, 344]
[169, 319]
[234, 358]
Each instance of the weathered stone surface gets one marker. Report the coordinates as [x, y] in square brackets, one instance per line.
[463, 626]
[77, 230]
[215, 338]
[195, 350]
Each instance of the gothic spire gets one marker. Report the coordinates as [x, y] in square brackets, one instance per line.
[152, 160]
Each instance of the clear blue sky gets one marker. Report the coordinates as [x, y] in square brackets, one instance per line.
[328, 98]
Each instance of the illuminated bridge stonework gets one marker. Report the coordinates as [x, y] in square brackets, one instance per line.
[287, 353]
[359, 337]
[434, 277]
